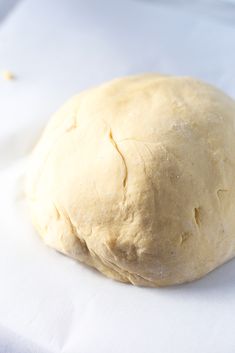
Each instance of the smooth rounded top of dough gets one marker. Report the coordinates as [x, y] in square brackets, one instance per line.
[136, 178]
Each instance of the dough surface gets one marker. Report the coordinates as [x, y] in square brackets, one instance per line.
[136, 178]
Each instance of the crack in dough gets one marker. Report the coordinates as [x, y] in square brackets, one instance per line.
[122, 158]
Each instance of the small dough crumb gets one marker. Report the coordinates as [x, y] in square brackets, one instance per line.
[8, 75]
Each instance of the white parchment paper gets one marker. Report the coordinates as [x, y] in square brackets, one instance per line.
[48, 302]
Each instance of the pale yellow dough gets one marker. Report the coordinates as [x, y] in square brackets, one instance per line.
[136, 178]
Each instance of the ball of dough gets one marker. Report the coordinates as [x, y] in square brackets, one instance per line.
[136, 178]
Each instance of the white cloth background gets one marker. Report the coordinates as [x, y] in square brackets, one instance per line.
[48, 302]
